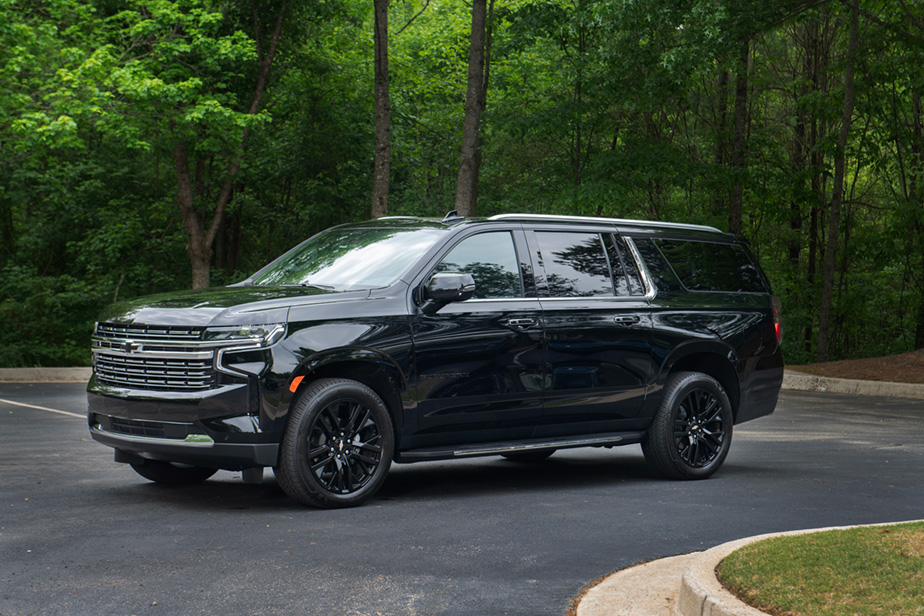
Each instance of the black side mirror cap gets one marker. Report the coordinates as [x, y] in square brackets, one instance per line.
[445, 288]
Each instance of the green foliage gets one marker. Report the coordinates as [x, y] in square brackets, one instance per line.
[867, 570]
[596, 107]
[47, 319]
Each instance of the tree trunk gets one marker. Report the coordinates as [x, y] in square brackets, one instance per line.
[200, 253]
[721, 139]
[736, 198]
[465, 195]
[382, 164]
[917, 194]
[483, 100]
[837, 191]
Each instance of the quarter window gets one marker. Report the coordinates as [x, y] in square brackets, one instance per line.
[491, 259]
[707, 266]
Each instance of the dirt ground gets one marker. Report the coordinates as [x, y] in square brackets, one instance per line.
[904, 368]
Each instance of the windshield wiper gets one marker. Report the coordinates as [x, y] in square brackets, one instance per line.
[313, 285]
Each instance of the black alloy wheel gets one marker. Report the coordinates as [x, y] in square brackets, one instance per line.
[338, 445]
[691, 433]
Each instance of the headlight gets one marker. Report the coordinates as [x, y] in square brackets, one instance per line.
[259, 335]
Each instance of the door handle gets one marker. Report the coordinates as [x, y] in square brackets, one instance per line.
[626, 319]
[522, 323]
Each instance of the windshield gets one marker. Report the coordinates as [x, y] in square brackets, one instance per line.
[351, 258]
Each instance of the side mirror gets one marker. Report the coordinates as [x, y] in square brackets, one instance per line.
[447, 287]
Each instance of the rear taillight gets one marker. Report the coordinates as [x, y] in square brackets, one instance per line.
[777, 310]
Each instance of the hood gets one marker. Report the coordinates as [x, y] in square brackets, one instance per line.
[237, 305]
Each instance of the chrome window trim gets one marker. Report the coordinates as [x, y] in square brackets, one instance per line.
[650, 290]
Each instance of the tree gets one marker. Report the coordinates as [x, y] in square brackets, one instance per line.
[382, 164]
[468, 165]
[837, 190]
[184, 67]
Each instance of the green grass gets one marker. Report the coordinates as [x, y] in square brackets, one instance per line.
[869, 571]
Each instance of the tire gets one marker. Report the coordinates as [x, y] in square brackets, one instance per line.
[691, 432]
[173, 474]
[536, 455]
[338, 445]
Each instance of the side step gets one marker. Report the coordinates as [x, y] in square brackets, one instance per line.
[498, 448]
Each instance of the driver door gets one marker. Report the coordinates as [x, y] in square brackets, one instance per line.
[479, 363]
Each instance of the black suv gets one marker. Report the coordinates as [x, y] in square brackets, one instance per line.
[410, 339]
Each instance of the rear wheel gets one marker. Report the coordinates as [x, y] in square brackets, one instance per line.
[171, 473]
[338, 445]
[536, 455]
[691, 433]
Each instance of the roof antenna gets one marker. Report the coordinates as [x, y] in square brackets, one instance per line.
[453, 216]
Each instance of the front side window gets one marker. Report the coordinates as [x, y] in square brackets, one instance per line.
[575, 264]
[491, 259]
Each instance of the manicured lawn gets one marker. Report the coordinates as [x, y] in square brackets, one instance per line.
[856, 572]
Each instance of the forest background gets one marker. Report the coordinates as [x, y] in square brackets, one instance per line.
[150, 146]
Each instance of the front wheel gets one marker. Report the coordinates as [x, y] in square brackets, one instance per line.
[691, 432]
[173, 474]
[338, 445]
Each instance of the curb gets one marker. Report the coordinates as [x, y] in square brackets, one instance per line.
[45, 375]
[809, 382]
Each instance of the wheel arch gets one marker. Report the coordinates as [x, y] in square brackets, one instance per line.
[369, 367]
[716, 359]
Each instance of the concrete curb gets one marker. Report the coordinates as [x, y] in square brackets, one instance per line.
[45, 375]
[809, 382]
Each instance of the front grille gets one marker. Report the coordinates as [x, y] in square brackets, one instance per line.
[160, 358]
[173, 374]
[149, 332]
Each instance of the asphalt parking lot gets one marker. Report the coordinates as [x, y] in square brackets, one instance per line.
[80, 534]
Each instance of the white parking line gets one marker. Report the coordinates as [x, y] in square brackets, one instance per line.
[42, 408]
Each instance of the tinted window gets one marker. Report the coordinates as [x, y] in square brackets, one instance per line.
[705, 266]
[575, 264]
[626, 278]
[491, 259]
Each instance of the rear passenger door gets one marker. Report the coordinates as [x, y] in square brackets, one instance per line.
[597, 330]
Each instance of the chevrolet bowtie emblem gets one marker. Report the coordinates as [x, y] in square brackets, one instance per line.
[131, 347]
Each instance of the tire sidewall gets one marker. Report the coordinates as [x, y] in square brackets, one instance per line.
[676, 391]
[296, 477]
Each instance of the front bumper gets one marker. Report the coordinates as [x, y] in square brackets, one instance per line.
[215, 428]
[201, 451]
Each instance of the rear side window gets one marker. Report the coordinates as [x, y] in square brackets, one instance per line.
[707, 266]
[575, 264]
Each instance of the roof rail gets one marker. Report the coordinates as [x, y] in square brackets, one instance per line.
[618, 221]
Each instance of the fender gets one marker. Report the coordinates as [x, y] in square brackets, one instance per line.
[353, 360]
[715, 357]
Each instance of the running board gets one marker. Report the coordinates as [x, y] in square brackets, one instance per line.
[496, 449]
